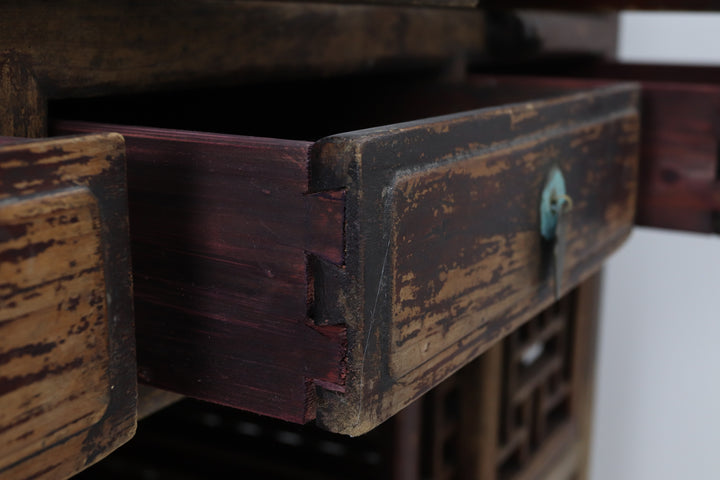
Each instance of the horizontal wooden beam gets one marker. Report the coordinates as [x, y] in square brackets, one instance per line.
[680, 157]
[84, 48]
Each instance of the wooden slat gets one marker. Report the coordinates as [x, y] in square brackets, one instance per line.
[67, 356]
[85, 48]
[221, 231]
[444, 255]
[585, 335]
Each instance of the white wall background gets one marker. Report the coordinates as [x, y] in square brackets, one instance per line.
[657, 398]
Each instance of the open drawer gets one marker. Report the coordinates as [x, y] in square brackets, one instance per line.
[341, 279]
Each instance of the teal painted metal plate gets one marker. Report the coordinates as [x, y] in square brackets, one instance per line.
[552, 201]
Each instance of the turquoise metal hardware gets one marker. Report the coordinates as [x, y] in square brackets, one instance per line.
[555, 204]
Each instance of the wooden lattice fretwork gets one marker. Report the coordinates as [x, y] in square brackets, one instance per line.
[515, 410]
[442, 431]
[536, 386]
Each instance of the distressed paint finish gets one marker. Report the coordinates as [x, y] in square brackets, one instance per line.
[119, 46]
[442, 233]
[52, 322]
[67, 376]
[679, 178]
[222, 229]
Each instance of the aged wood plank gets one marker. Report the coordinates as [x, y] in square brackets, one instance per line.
[67, 357]
[607, 4]
[680, 143]
[83, 48]
[23, 109]
[444, 255]
[221, 232]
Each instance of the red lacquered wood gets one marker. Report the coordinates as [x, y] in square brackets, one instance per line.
[679, 184]
[221, 231]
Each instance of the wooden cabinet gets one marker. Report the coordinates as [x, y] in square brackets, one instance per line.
[332, 251]
[67, 356]
[340, 280]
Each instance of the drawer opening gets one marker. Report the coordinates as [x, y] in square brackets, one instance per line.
[306, 110]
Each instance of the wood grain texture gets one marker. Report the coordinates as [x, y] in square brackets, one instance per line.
[680, 142]
[602, 5]
[67, 357]
[221, 232]
[444, 255]
[680, 179]
[23, 109]
[585, 338]
[85, 48]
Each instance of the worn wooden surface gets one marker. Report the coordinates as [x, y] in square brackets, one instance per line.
[679, 168]
[604, 5]
[23, 107]
[444, 255]
[680, 181]
[521, 410]
[67, 357]
[680, 162]
[84, 48]
[221, 232]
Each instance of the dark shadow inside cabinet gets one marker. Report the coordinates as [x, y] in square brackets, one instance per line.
[304, 110]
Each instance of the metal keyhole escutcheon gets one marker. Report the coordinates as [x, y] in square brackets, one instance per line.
[555, 204]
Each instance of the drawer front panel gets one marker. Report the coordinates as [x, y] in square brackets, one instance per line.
[67, 350]
[465, 237]
[53, 314]
[443, 238]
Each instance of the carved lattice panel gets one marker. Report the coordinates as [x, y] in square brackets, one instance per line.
[514, 411]
[536, 386]
[442, 431]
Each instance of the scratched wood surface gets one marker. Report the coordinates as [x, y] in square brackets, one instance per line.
[67, 357]
[444, 255]
[221, 233]
[679, 184]
[120, 45]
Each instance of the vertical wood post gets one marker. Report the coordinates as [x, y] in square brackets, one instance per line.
[23, 107]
